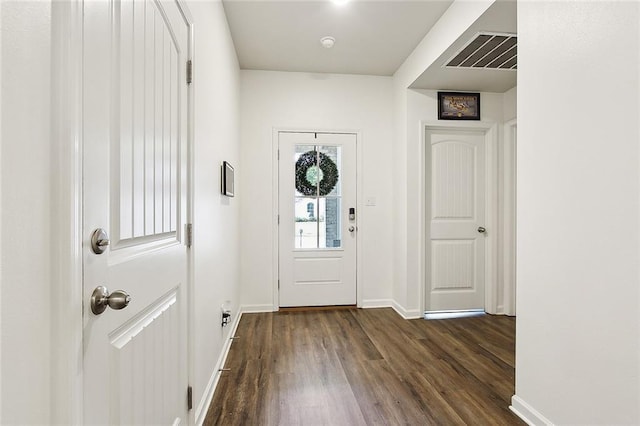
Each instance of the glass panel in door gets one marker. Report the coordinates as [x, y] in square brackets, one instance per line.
[318, 203]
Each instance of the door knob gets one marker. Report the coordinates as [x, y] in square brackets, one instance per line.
[481, 230]
[352, 228]
[101, 298]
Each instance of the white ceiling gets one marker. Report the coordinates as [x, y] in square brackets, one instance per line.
[373, 37]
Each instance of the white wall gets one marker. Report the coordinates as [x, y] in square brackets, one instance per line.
[510, 104]
[449, 28]
[578, 329]
[25, 176]
[314, 102]
[216, 225]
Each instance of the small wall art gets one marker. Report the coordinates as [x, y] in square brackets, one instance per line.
[458, 106]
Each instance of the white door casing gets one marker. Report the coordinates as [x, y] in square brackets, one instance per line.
[135, 133]
[317, 267]
[509, 218]
[457, 181]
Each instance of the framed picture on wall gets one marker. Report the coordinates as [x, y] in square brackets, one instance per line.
[227, 180]
[458, 106]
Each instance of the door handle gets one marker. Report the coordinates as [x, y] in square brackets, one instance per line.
[101, 298]
[481, 230]
[352, 228]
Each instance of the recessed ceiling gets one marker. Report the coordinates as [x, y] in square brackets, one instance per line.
[371, 37]
[488, 50]
[501, 17]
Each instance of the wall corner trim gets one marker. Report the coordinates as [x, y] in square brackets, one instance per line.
[527, 413]
[406, 313]
[203, 406]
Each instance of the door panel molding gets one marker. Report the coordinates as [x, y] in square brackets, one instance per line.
[490, 131]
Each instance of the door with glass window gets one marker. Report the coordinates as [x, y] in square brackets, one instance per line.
[317, 219]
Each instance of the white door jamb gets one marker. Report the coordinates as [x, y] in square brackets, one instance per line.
[509, 218]
[66, 219]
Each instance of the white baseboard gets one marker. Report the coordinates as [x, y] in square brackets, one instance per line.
[207, 397]
[527, 413]
[390, 303]
[377, 303]
[257, 308]
[407, 313]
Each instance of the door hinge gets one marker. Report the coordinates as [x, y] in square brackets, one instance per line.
[278, 284]
[189, 71]
[189, 398]
[189, 234]
[278, 219]
[278, 155]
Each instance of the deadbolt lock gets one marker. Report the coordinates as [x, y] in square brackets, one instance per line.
[99, 241]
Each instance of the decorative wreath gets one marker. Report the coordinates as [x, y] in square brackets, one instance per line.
[309, 173]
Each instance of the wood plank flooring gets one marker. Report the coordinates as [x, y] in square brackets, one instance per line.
[367, 367]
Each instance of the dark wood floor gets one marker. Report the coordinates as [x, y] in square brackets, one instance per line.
[367, 367]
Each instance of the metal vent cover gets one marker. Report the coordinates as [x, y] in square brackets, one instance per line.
[487, 51]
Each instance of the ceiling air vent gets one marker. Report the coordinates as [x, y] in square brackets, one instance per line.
[488, 51]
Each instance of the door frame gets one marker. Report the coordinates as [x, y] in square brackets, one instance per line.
[67, 239]
[275, 146]
[509, 179]
[490, 131]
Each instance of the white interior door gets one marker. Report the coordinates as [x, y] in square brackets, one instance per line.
[317, 235]
[135, 188]
[457, 220]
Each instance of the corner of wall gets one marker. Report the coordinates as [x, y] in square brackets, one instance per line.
[527, 413]
[406, 313]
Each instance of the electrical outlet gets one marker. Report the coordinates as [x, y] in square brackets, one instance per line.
[226, 315]
[226, 312]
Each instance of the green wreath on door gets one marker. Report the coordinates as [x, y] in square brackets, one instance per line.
[313, 179]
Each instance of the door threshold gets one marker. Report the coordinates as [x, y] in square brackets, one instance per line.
[462, 313]
[317, 308]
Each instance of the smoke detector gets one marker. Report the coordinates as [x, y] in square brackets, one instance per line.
[327, 42]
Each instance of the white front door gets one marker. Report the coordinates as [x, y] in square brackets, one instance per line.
[317, 230]
[457, 220]
[135, 126]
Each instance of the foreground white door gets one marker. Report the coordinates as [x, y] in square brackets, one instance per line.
[457, 219]
[135, 170]
[317, 237]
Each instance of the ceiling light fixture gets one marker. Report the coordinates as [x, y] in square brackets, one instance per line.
[340, 2]
[327, 42]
